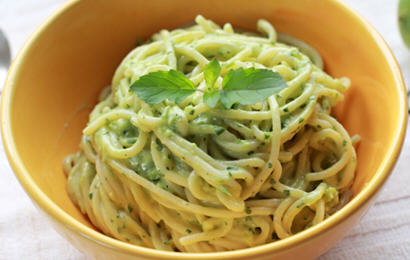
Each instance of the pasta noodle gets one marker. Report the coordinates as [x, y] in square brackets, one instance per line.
[187, 177]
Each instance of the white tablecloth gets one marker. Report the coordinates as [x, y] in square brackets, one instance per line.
[384, 233]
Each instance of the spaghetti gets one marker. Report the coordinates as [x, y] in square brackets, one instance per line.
[190, 178]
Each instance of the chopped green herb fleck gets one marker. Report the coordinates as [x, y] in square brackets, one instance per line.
[303, 106]
[90, 196]
[344, 142]
[130, 209]
[269, 165]
[192, 112]
[230, 174]
[225, 190]
[248, 210]
[294, 52]
[300, 205]
[286, 109]
[267, 136]
[286, 192]
[158, 141]
[219, 131]
[272, 181]
[301, 120]
[131, 140]
[251, 152]
[232, 168]
[188, 231]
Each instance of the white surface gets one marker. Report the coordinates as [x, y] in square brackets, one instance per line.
[384, 233]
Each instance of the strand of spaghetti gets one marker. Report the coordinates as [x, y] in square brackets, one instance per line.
[274, 152]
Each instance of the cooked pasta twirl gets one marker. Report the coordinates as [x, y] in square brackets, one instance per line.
[191, 178]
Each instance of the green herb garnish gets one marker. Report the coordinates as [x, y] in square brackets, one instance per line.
[188, 231]
[212, 72]
[249, 86]
[156, 86]
[240, 86]
[211, 97]
[219, 131]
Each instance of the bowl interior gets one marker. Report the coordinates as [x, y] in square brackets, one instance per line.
[56, 81]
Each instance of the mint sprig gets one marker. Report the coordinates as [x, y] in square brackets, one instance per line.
[243, 86]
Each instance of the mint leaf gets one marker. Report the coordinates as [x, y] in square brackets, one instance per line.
[156, 86]
[212, 97]
[211, 73]
[249, 86]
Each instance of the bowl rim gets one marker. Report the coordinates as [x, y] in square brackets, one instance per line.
[59, 215]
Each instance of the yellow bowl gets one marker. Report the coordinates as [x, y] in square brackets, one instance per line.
[54, 81]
